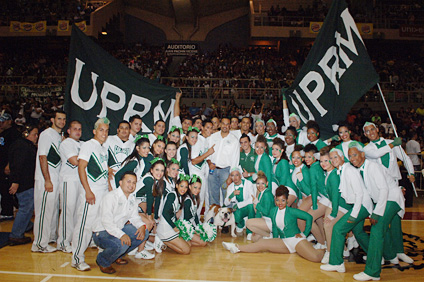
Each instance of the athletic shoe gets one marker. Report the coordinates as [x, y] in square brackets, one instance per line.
[330, 267]
[239, 230]
[48, 249]
[231, 247]
[319, 246]
[158, 244]
[352, 243]
[149, 246]
[403, 257]
[394, 261]
[6, 217]
[311, 238]
[346, 253]
[133, 252]
[249, 237]
[144, 254]
[65, 249]
[82, 266]
[326, 257]
[364, 277]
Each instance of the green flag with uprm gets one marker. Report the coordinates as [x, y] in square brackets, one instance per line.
[98, 85]
[336, 73]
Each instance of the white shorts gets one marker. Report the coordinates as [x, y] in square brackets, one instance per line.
[268, 222]
[292, 242]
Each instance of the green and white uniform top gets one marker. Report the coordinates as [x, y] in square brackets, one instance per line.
[265, 204]
[168, 209]
[269, 140]
[344, 147]
[281, 173]
[319, 144]
[182, 157]
[380, 152]
[97, 168]
[381, 188]
[332, 183]
[317, 183]
[302, 181]
[144, 192]
[118, 150]
[247, 162]
[139, 167]
[289, 151]
[48, 145]
[284, 222]
[190, 212]
[69, 148]
[352, 190]
[197, 150]
[263, 163]
[247, 190]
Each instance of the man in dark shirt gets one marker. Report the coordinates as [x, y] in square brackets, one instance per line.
[8, 135]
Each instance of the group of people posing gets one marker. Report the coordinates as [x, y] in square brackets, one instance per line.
[125, 192]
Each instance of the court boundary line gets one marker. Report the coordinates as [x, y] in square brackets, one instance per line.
[50, 275]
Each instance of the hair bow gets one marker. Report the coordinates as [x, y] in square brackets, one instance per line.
[138, 137]
[184, 177]
[160, 137]
[194, 179]
[173, 128]
[175, 161]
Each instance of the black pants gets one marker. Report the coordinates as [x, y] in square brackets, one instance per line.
[6, 198]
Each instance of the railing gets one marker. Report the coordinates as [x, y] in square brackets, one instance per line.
[298, 21]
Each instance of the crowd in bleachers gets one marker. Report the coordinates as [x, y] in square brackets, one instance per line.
[44, 10]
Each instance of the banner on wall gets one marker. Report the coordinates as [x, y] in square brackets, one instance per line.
[336, 73]
[181, 49]
[411, 31]
[62, 25]
[363, 28]
[16, 26]
[98, 85]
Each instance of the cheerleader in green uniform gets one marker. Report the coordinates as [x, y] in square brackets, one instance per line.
[263, 202]
[170, 151]
[287, 237]
[158, 147]
[345, 135]
[301, 179]
[262, 161]
[313, 134]
[191, 203]
[174, 135]
[167, 231]
[281, 170]
[317, 192]
[290, 138]
[184, 151]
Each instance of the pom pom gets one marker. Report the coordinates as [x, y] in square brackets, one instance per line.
[186, 229]
[206, 231]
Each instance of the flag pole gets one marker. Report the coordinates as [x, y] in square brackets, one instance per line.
[394, 130]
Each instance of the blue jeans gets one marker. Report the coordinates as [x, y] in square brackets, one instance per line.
[112, 246]
[215, 181]
[24, 214]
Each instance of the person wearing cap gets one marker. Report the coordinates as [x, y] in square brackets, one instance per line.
[240, 194]
[8, 135]
[387, 152]
[356, 205]
[294, 120]
[389, 208]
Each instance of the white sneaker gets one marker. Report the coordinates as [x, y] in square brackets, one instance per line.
[364, 277]
[65, 249]
[144, 254]
[319, 246]
[249, 237]
[149, 246]
[394, 261]
[352, 243]
[330, 267]
[310, 238]
[231, 247]
[133, 252]
[82, 266]
[403, 257]
[48, 249]
[346, 253]
[239, 230]
[382, 260]
[158, 244]
[326, 257]
[92, 244]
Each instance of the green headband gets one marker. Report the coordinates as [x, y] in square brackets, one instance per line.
[173, 128]
[160, 138]
[138, 137]
[184, 177]
[193, 128]
[273, 121]
[157, 159]
[175, 161]
[194, 179]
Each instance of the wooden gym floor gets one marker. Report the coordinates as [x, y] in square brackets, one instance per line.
[211, 263]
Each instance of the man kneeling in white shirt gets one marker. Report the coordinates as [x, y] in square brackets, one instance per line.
[120, 228]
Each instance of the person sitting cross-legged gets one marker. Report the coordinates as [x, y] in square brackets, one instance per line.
[119, 229]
